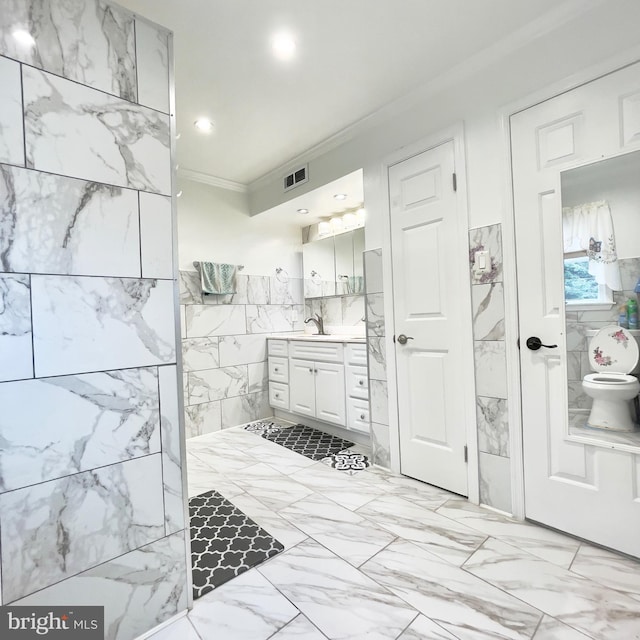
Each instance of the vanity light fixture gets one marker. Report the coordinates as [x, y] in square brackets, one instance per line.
[340, 196]
[283, 45]
[324, 228]
[23, 38]
[303, 210]
[204, 125]
[349, 221]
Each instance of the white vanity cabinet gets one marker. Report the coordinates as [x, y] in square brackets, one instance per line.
[357, 387]
[321, 379]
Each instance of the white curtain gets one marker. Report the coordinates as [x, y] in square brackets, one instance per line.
[589, 227]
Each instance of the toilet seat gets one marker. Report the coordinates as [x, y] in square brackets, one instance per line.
[613, 350]
[612, 379]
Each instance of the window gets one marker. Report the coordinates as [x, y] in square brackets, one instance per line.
[580, 287]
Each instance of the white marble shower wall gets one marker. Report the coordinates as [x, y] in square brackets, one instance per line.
[377, 358]
[487, 298]
[578, 323]
[224, 347]
[91, 502]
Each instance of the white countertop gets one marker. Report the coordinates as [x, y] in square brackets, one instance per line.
[314, 337]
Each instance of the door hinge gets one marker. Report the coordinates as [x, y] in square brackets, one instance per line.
[455, 182]
[466, 453]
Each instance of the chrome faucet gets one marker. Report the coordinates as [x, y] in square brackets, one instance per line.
[319, 322]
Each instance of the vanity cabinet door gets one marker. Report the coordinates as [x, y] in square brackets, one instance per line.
[302, 394]
[330, 400]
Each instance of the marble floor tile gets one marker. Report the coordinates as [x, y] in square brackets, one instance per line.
[609, 569]
[247, 608]
[201, 477]
[181, 629]
[546, 544]
[422, 628]
[599, 612]
[345, 533]
[280, 528]
[270, 487]
[345, 490]
[552, 629]
[447, 539]
[340, 600]
[286, 462]
[461, 603]
[300, 628]
[223, 460]
[425, 495]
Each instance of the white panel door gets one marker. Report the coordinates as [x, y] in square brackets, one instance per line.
[578, 484]
[330, 399]
[302, 394]
[431, 289]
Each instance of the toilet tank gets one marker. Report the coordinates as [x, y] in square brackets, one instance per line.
[634, 332]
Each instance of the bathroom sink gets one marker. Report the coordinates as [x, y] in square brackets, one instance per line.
[333, 337]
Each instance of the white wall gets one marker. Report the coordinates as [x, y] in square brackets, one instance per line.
[473, 95]
[214, 224]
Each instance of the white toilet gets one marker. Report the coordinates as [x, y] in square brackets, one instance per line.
[613, 355]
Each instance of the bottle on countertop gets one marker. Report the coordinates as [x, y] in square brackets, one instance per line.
[623, 320]
[632, 313]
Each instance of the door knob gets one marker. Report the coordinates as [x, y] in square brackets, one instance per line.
[534, 343]
[402, 339]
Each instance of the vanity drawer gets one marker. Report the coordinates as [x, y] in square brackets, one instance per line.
[277, 347]
[279, 395]
[356, 353]
[278, 369]
[324, 351]
[358, 415]
[357, 382]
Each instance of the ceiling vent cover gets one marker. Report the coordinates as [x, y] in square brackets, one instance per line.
[296, 177]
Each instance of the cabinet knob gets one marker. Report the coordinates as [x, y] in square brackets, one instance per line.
[310, 370]
[276, 369]
[362, 416]
[361, 382]
[277, 395]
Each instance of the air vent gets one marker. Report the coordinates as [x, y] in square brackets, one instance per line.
[296, 178]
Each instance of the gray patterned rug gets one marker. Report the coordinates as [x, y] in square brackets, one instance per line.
[224, 542]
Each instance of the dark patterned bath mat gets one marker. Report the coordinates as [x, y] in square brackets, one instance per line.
[263, 426]
[309, 442]
[350, 463]
[224, 542]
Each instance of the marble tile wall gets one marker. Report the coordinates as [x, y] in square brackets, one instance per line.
[224, 347]
[578, 323]
[487, 299]
[338, 311]
[91, 496]
[377, 358]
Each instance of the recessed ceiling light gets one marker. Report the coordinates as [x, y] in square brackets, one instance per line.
[340, 196]
[204, 125]
[303, 210]
[283, 45]
[23, 37]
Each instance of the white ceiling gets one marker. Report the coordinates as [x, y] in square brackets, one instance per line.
[353, 57]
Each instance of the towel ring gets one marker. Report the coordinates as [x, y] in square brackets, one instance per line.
[282, 278]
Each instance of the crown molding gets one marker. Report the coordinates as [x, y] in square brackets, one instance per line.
[550, 21]
[214, 181]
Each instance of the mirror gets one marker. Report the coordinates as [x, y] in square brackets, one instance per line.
[318, 265]
[333, 266]
[601, 253]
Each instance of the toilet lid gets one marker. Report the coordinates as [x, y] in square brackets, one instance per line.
[613, 349]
